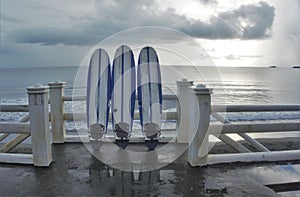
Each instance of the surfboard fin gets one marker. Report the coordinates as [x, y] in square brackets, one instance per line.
[152, 133]
[122, 133]
[122, 130]
[151, 130]
[97, 131]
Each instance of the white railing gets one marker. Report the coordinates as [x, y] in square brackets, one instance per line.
[199, 137]
[38, 129]
[192, 117]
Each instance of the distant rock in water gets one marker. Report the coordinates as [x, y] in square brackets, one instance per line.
[272, 66]
[296, 66]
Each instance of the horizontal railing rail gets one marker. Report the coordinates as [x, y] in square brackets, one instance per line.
[23, 128]
[254, 108]
[82, 116]
[14, 108]
[215, 108]
[254, 127]
[83, 98]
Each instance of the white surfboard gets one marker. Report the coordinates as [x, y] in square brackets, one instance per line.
[123, 94]
[98, 93]
[149, 95]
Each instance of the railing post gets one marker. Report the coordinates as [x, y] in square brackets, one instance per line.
[200, 110]
[39, 122]
[57, 111]
[182, 123]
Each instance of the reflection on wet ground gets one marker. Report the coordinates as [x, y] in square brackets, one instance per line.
[283, 179]
[75, 172]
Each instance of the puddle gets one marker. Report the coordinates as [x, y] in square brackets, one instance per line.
[283, 179]
[267, 175]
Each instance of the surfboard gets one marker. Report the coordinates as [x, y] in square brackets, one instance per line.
[149, 95]
[98, 94]
[123, 94]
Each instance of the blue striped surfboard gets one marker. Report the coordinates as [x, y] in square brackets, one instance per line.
[123, 94]
[98, 93]
[149, 95]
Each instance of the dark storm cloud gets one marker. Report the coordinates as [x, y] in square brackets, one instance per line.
[246, 22]
[259, 20]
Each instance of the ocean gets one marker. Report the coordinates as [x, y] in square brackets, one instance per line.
[230, 85]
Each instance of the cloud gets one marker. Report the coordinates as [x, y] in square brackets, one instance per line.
[250, 56]
[258, 20]
[252, 21]
[53, 36]
[10, 19]
[239, 57]
[208, 2]
[232, 57]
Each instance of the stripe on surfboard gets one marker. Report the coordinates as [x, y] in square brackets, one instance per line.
[149, 84]
[88, 95]
[140, 98]
[122, 89]
[98, 85]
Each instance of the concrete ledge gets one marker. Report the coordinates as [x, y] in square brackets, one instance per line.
[15, 158]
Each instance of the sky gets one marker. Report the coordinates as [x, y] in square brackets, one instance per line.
[233, 32]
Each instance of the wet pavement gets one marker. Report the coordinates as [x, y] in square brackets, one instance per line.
[76, 172]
